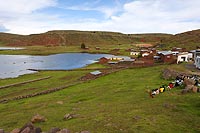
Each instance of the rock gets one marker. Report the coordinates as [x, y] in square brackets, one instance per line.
[1, 131]
[189, 81]
[189, 87]
[68, 116]
[17, 130]
[59, 102]
[184, 91]
[54, 130]
[29, 125]
[170, 106]
[64, 131]
[26, 130]
[169, 74]
[85, 132]
[194, 89]
[38, 118]
[37, 130]
[136, 117]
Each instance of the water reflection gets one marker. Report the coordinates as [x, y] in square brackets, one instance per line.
[10, 48]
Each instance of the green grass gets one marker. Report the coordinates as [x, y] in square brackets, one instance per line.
[42, 50]
[96, 66]
[114, 103]
[58, 79]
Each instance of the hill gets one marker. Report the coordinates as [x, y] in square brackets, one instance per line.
[188, 40]
[69, 37]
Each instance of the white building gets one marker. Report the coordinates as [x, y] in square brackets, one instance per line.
[145, 54]
[134, 53]
[184, 57]
[197, 58]
[197, 62]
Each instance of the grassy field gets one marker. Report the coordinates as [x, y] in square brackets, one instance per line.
[43, 50]
[115, 103]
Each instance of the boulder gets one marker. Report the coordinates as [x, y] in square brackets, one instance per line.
[170, 74]
[38, 118]
[68, 116]
[137, 117]
[54, 130]
[64, 131]
[59, 102]
[85, 132]
[184, 91]
[189, 87]
[194, 89]
[189, 81]
[27, 126]
[1, 131]
[37, 130]
[17, 130]
[26, 130]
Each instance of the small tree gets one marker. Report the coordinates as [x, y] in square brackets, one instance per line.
[83, 46]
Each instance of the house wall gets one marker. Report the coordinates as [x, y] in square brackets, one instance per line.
[196, 58]
[196, 53]
[167, 58]
[134, 53]
[103, 60]
[182, 58]
[145, 54]
[197, 62]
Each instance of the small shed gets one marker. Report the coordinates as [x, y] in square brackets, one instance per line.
[166, 56]
[103, 60]
[95, 72]
[97, 48]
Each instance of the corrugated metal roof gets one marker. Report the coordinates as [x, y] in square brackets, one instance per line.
[165, 52]
[95, 72]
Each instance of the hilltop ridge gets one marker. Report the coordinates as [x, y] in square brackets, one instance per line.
[72, 37]
[188, 40]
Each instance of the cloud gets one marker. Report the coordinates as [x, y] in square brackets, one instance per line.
[23, 16]
[107, 10]
[3, 28]
[24, 6]
[136, 16]
[170, 16]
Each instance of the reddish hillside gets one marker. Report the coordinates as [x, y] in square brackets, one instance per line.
[188, 40]
[55, 38]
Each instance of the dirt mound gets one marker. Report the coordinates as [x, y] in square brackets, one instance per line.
[170, 74]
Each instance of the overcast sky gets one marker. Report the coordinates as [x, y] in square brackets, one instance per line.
[126, 16]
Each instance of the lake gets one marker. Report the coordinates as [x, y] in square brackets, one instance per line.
[15, 65]
[10, 48]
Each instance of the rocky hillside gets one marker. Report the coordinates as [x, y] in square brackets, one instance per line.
[64, 37]
[188, 40]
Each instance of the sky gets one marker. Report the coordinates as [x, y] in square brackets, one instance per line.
[125, 16]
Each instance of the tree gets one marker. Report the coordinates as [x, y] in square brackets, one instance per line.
[83, 46]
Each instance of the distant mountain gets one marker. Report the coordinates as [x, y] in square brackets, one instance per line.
[68, 37]
[189, 40]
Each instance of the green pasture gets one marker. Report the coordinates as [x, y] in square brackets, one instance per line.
[115, 103]
[44, 50]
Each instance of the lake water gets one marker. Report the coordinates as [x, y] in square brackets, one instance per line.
[10, 48]
[14, 65]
